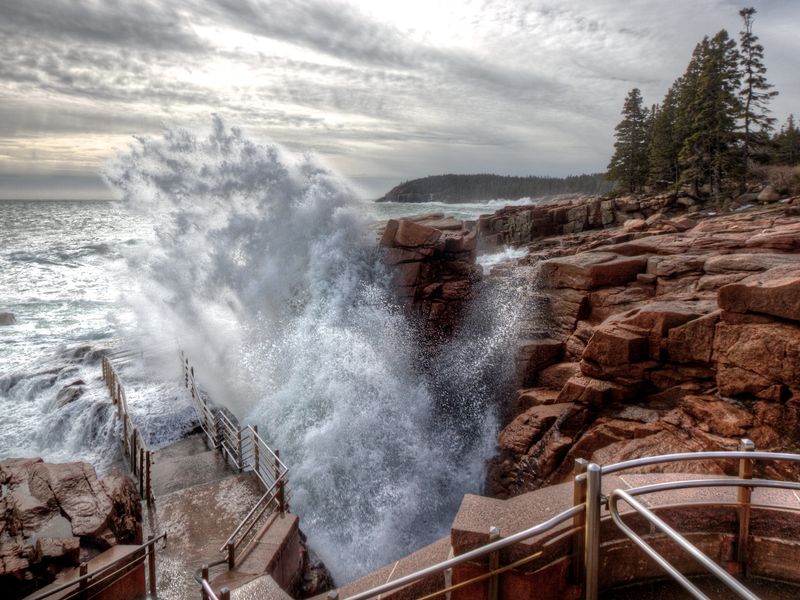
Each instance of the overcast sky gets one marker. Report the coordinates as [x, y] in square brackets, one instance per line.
[383, 90]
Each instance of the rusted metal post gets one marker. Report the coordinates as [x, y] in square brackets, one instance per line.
[125, 437]
[231, 556]
[151, 564]
[577, 570]
[83, 587]
[224, 594]
[494, 564]
[744, 495]
[204, 576]
[255, 448]
[280, 495]
[141, 472]
[148, 488]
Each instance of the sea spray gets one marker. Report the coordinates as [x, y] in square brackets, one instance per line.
[268, 273]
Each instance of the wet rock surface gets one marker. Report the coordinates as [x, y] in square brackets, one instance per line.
[54, 516]
[680, 332]
[432, 258]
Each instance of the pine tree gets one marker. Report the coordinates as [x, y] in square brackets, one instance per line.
[787, 143]
[628, 166]
[709, 153]
[755, 93]
[664, 145]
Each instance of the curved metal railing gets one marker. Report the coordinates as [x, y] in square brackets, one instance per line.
[586, 513]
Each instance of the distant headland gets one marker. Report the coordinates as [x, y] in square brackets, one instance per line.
[454, 189]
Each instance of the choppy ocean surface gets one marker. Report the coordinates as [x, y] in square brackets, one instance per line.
[330, 370]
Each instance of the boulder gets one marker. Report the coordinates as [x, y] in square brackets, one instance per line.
[774, 292]
[591, 270]
[7, 318]
[758, 359]
[768, 194]
[53, 515]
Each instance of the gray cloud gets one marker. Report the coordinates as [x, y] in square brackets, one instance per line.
[515, 86]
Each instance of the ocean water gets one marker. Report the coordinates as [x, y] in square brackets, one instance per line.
[263, 266]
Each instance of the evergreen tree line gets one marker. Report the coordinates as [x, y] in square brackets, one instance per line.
[712, 126]
[477, 188]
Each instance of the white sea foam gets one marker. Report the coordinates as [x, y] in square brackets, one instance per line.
[507, 254]
[267, 272]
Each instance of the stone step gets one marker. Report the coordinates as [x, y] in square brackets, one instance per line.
[183, 471]
[188, 446]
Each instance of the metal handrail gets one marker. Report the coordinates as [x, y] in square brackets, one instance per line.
[686, 456]
[252, 510]
[102, 574]
[471, 555]
[690, 548]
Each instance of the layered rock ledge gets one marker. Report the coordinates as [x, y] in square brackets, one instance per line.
[669, 334]
[649, 325]
[55, 516]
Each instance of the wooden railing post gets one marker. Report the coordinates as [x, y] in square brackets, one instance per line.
[494, 564]
[224, 594]
[744, 495]
[151, 564]
[578, 521]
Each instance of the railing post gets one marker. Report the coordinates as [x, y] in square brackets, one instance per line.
[744, 495]
[84, 584]
[592, 543]
[151, 564]
[125, 437]
[577, 570]
[494, 564]
[148, 488]
[280, 494]
[141, 471]
[255, 448]
[204, 577]
[240, 456]
[231, 556]
[224, 594]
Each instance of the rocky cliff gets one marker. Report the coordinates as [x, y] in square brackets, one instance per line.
[652, 325]
[54, 516]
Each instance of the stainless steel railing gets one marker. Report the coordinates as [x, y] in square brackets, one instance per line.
[687, 546]
[91, 584]
[244, 449]
[586, 514]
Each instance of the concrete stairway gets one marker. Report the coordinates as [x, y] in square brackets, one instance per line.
[199, 501]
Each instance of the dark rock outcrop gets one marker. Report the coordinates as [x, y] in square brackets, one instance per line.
[433, 264]
[54, 516]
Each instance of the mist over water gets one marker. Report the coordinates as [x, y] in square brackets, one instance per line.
[266, 271]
